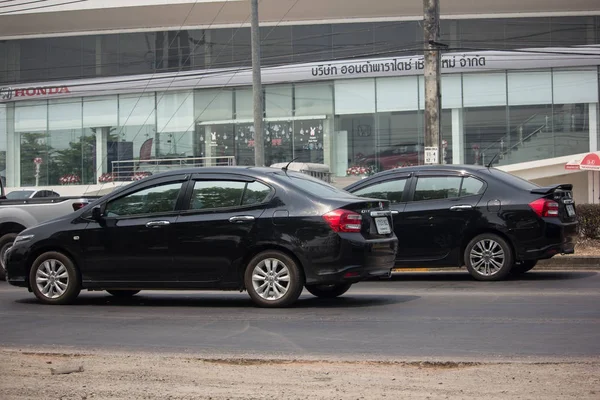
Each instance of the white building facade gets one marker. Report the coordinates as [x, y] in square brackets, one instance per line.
[112, 99]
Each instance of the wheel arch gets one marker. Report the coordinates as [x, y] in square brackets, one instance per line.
[48, 248]
[478, 232]
[11, 227]
[267, 247]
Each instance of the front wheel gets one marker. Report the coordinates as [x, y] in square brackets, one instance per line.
[273, 279]
[54, 278]
[488, 257]
[328, 291]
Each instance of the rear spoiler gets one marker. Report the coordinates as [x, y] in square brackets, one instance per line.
[550, 189]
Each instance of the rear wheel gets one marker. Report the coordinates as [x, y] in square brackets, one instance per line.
[488, 257]
[6, 243]
[328, 291]
[523, 266]
[273, 279]
[123, 293]
[54, 278]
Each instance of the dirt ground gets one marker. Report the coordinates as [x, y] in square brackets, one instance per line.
[27, 374]
[587, 247]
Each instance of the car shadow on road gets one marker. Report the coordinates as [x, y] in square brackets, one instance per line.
[463, 276]
[200, 300]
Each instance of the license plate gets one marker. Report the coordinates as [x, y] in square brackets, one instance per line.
[570, 210]
[383, 226]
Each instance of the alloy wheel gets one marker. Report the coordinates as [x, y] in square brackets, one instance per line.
[271, 279]
[52, 278]
[487, 257]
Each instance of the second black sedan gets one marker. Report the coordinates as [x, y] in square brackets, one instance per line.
[489, 220]
[268, 231]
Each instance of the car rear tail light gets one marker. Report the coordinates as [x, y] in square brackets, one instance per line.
[343, 220]
[79, 206]
[545, 207]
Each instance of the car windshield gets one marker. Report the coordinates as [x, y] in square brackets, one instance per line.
[19, 194]
[314, 186]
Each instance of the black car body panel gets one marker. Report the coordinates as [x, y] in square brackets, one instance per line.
[436, 231]
[201, 242]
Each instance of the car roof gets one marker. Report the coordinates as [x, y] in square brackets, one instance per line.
[436, 167]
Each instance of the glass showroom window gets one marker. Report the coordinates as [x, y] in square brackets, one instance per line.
[65, 143]
[100, 132]
[31, 123]
[175, 124]
[134, 141]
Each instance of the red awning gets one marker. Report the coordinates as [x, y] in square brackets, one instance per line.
[590, 162]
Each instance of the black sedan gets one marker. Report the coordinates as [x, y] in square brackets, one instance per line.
[491, 221]
[265, 230]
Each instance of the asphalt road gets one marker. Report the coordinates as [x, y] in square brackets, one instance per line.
[542, 315]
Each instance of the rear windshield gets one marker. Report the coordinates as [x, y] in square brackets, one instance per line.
[314, 186]
[513, 180]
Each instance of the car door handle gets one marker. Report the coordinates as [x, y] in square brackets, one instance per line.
[461, 207]
[240, 219]
[157, 224]
[395, 212]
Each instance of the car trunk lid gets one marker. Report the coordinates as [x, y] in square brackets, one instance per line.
[562, 195]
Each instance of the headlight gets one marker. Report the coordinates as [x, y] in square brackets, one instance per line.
[22, 238]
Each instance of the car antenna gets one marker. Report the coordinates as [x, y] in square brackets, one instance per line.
[493, 159]
[288, 164]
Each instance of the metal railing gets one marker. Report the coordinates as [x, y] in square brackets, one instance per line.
[503, 146]
[130, 170]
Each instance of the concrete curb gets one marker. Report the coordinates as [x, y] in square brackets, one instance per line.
[581, 263]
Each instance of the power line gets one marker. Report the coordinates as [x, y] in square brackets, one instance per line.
[40, 7]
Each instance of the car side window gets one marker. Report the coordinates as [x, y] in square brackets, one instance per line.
[41, 193]
[392, 190]
[437, 187]
[471, 186]
[255, 193]
[216, 194]
[153, 200]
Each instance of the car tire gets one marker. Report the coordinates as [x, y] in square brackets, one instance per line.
[328, 291]
[488, 257]
[6, 242]
[54, 279]
[123, 293]
[273, 279]
[523, 266]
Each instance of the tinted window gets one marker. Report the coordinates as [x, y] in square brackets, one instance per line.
[216, 194]
[41, 193]
[154, 200]
[255, 193]
[437, 187]
[389, 190]
[471, 186]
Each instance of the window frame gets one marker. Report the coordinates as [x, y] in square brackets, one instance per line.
[189, 190]
[443, 174]
[150, 184]
[407, 185]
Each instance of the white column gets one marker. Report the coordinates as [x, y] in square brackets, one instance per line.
[458, 137]
[13, 150]
[328, 142]
[593, 109]
[101, 151]
[208, 148]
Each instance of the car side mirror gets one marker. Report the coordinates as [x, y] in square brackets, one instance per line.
[97, 213]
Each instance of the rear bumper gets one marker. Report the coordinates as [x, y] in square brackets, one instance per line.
[558, 238]
[357, 260]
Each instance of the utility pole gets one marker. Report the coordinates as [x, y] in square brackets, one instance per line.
[433, 94]
[259, 141]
